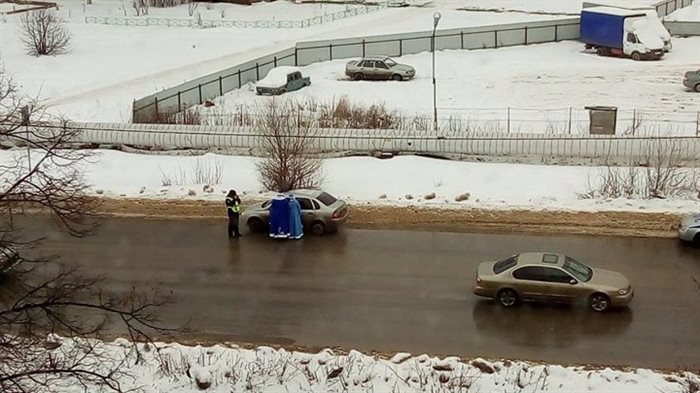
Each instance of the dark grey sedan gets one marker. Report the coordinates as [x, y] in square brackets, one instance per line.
[378, 68]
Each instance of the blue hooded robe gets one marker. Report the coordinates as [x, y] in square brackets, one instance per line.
[296, 230]
[279, 217]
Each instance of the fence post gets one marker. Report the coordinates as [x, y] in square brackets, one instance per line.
[240, 84]
[400, 47]
[495, 38]
[199, 88]
[330, 51]
[133, 112]
[156, 99]
[525, 35]
[666, 9]
[570, 110]
[508, 129]
[634, 120]
[179, 102]
[363, 47]
[221, 86]
[257, 71]
[461, 39]
[556, 32]
[274, 60]
[296, 58]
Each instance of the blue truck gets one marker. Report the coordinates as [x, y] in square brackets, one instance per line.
[621, 32]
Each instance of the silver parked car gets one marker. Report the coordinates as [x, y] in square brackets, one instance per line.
[378, 68]
[320, 212]
[689, 230]
[691, 80]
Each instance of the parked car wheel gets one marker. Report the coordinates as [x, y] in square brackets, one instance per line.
[636, 56]
[396, 77]
[599, 302]
[256, 225]
[318, 228]
[507, 297]
[697, 88]
[358, 77]
[601, 52]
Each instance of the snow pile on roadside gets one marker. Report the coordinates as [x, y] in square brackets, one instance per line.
[175, 368]
[687, 14]
[403, 180]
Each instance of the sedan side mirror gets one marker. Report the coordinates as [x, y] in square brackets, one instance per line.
[573, 282]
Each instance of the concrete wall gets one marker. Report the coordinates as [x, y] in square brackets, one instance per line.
[683, 28]
[535, 148]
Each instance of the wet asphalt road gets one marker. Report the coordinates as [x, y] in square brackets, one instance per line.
[395, 290]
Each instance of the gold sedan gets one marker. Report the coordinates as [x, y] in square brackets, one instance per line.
[551, 277]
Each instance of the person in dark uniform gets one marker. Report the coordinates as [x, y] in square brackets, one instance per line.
[233, 208]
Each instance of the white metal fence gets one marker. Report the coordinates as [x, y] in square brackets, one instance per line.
[534, 148]
[145, 21]
[510, 120]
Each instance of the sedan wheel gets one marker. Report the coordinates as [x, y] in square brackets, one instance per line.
[255, 225]
[396, 77]
[697, 88]
[318, 228]
[358, 77]
[507, 298]
[599, 302]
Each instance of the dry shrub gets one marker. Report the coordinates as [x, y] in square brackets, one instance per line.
[289, 161]
[658, 174]
[206, 172]
[43, 32]
[344, 114]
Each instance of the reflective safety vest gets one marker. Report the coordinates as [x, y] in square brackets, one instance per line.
[235, 206]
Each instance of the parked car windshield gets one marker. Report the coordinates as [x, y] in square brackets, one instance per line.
[326, 198]
[390, 63]
[578, 269]
[505, 264]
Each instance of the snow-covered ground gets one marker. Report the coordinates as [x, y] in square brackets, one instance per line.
[690, 14]
[404, 180]
[109, 66]
[478, 86]
[176, 368]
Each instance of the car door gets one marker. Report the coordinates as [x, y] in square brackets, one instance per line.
[562, 286]
[290, 86]
[530, 282]
[382, 70]
[308, 213]
[368, 69]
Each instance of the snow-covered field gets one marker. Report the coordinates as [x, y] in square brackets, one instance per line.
[691, 14]
[478, 86]
[109, 66]
[176, 368]
[404, 180]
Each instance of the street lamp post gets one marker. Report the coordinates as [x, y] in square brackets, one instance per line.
[436, 20]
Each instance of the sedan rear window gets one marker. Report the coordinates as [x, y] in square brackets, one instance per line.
[326, 198]
[505, 264]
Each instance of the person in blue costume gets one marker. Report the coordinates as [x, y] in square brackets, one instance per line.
[279, 217]
[296, 230]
